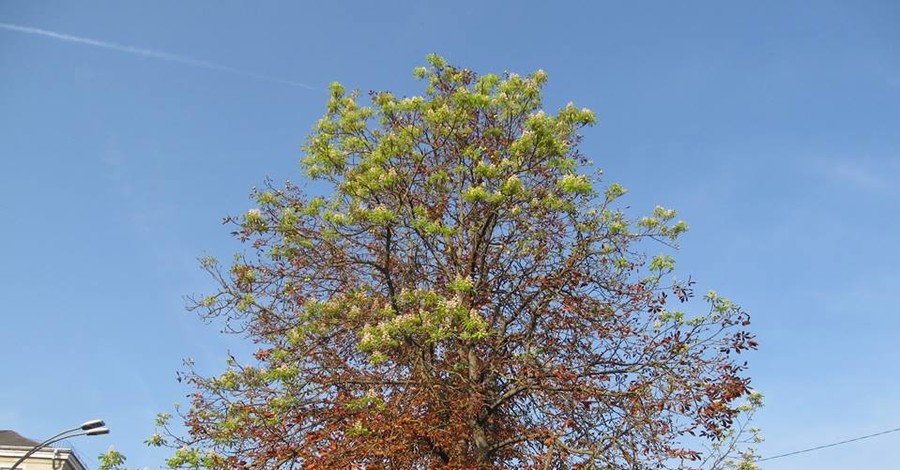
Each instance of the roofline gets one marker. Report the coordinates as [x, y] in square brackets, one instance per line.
[47, 453]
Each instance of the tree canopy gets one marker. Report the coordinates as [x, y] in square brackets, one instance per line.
[468, 293]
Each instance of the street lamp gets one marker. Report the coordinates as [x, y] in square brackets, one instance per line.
[94, 427]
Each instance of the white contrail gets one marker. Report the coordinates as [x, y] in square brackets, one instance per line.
[149, 53]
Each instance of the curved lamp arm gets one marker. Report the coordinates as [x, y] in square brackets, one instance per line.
[90, 428]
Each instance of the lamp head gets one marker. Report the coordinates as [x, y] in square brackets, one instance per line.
[97, 432]
[92, 424]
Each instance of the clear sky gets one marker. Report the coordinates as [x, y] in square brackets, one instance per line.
[129, 129]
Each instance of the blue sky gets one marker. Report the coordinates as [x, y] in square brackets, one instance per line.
[771, 126]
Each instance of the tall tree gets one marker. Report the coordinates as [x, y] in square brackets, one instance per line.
[466, 296]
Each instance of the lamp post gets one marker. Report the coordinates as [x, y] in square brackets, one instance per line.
[94, 427]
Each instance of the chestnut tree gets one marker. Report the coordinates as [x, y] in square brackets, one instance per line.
[467, 293]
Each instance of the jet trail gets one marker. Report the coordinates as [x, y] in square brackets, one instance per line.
[160, 55]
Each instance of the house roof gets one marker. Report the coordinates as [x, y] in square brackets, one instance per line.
[14, 439]
[11, 441]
